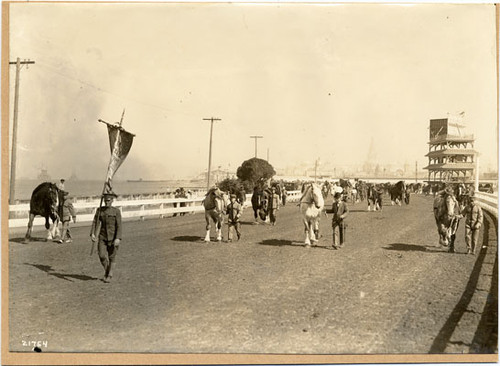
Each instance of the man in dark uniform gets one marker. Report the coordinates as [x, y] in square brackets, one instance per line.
[107, 228]
[339, 211]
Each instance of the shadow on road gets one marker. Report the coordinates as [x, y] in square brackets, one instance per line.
[486, 336]
[276, 242]
[21, 240]
[406, 247]
[280, 243]
[250, 223]
[66, 277]
[403, 247]
[191, 238]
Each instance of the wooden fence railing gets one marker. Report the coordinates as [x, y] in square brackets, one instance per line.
[488, 202]
[131, 208]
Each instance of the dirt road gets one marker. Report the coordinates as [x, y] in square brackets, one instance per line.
[390, 290]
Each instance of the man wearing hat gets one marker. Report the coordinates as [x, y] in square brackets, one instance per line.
[340, 212]
[274, 205]
[107, 229]
[60, 185]
[473, 221]
[67, 213]
[234, 213]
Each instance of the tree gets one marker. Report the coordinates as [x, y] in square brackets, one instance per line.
[254, 172]
[231, 185]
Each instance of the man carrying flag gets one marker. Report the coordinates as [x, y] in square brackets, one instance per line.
[107, 228]
[107, 224]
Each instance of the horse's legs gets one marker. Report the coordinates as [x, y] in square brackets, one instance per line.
[56, 231]
[316, 230]
[313, 231]
[207, 227]
[48, 229]
[53, 230]
[307, 242]
[27, 237]
[219, 230]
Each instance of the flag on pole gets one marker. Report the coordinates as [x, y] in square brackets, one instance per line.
[120, 142]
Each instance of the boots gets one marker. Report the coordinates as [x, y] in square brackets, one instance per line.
[105, 264]
[109, 272]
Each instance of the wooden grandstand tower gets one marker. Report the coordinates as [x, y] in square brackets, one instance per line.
[451, 152]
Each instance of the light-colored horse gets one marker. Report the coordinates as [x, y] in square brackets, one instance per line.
[311, 206]
[215, 204]
[447, 215]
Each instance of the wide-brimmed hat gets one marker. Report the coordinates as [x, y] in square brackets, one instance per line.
[232, 196]
[337, 195]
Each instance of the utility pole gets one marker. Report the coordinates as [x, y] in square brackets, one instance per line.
[12, 192]
[268, 155]
[416, 171]
[212, 119]
[255, 138]
[316, 163]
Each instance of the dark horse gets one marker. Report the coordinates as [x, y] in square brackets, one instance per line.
[44, 202]
[398, 192]
[259, 204]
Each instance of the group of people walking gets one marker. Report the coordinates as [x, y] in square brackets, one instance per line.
[106, 229]
[467, 208]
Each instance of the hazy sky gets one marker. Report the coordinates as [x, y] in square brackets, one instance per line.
[317, 81]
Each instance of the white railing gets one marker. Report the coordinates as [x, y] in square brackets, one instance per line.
[136, 208]
[488, 202]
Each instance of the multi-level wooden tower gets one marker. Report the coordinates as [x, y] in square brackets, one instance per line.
[451, 152]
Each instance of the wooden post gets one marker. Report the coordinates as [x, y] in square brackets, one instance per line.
[210, 148]
[12, 191]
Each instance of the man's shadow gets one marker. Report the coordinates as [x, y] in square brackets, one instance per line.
[66, 277]
[281, 242]
[403, 247]
[22, 240]
[188, 238]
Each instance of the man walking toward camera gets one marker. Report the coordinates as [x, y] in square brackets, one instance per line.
[473, 221]
[234, 213]
[107, 230]
[340, 212]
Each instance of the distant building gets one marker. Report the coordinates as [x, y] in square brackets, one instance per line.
[217, 175]
[451, 152]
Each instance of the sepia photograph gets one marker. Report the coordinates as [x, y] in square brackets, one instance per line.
[237, 183]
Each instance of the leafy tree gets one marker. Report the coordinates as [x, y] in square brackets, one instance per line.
[254, 172]
[234, 186]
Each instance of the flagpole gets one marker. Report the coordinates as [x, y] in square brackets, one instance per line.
[117, 141]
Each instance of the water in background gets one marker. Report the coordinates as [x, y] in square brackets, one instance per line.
[87, 188]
